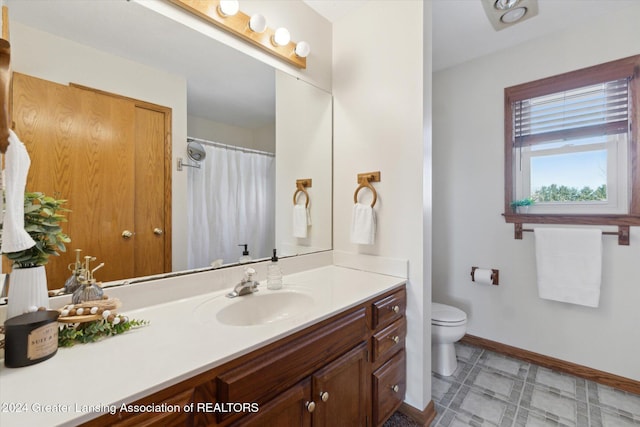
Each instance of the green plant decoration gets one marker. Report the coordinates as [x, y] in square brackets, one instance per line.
[522, 202]
[87, 332]
[42, 218]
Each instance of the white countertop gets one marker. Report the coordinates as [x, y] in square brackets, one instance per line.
[81, 382]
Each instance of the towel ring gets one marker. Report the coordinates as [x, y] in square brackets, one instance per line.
[303, 191]
[365, 184]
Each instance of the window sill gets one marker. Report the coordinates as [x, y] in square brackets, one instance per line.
[568, 219]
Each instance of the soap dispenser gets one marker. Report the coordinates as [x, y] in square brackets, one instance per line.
[89, 290]
[245, 254]
[274, 274]
[77, 271]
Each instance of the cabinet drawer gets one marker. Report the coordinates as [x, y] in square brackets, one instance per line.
[389, 340]
[389, 385]
[389, 309]
[270, 373]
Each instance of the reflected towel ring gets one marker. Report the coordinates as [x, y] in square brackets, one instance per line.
[303, 191]
[365, 184]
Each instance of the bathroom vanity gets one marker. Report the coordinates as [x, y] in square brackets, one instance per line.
[339, 360]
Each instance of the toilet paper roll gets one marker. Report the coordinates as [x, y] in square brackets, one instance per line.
[483, 275]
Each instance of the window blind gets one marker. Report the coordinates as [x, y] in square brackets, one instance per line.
[600, 109]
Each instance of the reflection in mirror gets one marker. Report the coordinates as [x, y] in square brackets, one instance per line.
[125, 49]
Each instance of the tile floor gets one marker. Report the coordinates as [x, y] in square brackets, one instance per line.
[489, 389]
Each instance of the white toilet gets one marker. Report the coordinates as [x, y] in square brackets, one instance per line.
[448, 325]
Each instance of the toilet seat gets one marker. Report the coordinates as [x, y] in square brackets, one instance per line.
[446, 315]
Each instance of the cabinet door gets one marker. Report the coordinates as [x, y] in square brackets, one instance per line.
[340, 391]
[290, 409]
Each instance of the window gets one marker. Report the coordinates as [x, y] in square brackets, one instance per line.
[570, 145]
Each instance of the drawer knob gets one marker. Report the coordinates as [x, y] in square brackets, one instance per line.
[311, 406]
[324, 396]
[395, 388]
[395, 309]
[395, 339]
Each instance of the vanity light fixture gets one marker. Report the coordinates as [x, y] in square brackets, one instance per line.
[504, 13]
[258, 23]
[281, 37]
[228, 7]
[226, 14]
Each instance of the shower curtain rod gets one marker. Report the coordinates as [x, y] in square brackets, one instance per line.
[230, 147]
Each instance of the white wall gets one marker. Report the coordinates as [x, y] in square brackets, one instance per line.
[378, 126]
[262, 138]
[468, 188]
[303, 150]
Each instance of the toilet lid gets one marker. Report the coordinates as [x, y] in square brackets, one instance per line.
[442, 314]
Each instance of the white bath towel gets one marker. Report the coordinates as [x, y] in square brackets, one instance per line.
[363, 224]
[300, 221]
[17, 162]
[569, 264]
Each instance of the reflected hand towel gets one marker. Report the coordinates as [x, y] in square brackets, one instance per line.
[300, 221]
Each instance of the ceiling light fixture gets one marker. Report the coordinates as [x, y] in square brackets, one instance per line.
[513, 15]
[505, 4]
[504, 13]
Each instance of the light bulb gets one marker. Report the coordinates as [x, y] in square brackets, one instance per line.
[281, 37]
[228, 7]
[303, 49]
[258, 23]
[513, 15]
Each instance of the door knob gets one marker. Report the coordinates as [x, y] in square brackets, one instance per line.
[158, 231]
[126, 234]
[311, 406]
[324, 396]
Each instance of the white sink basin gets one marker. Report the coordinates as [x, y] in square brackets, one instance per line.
[260, 308]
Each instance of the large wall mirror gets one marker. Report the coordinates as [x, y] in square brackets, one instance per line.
[261, 130]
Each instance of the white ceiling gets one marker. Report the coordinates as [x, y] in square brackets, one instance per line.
[461, 31]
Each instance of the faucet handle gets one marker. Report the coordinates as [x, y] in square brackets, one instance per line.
[249, 272]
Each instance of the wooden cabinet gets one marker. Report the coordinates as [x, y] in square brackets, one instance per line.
[348, 370]
[388, 359]
[340, 391]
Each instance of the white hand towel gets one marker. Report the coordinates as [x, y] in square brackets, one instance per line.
[569, 264]
[300, 222]
[363, 224]
[17, 162]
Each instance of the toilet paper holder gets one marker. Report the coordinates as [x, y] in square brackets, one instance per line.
[495, 275]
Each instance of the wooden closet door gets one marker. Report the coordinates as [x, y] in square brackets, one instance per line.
[81, 149]
[150, 192]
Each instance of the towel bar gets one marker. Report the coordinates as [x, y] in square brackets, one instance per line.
[622, 233]
[365, 179]
[301, 185]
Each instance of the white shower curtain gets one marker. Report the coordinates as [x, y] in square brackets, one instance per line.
[231, 201]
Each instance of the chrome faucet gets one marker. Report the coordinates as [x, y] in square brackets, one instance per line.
[246, 286]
